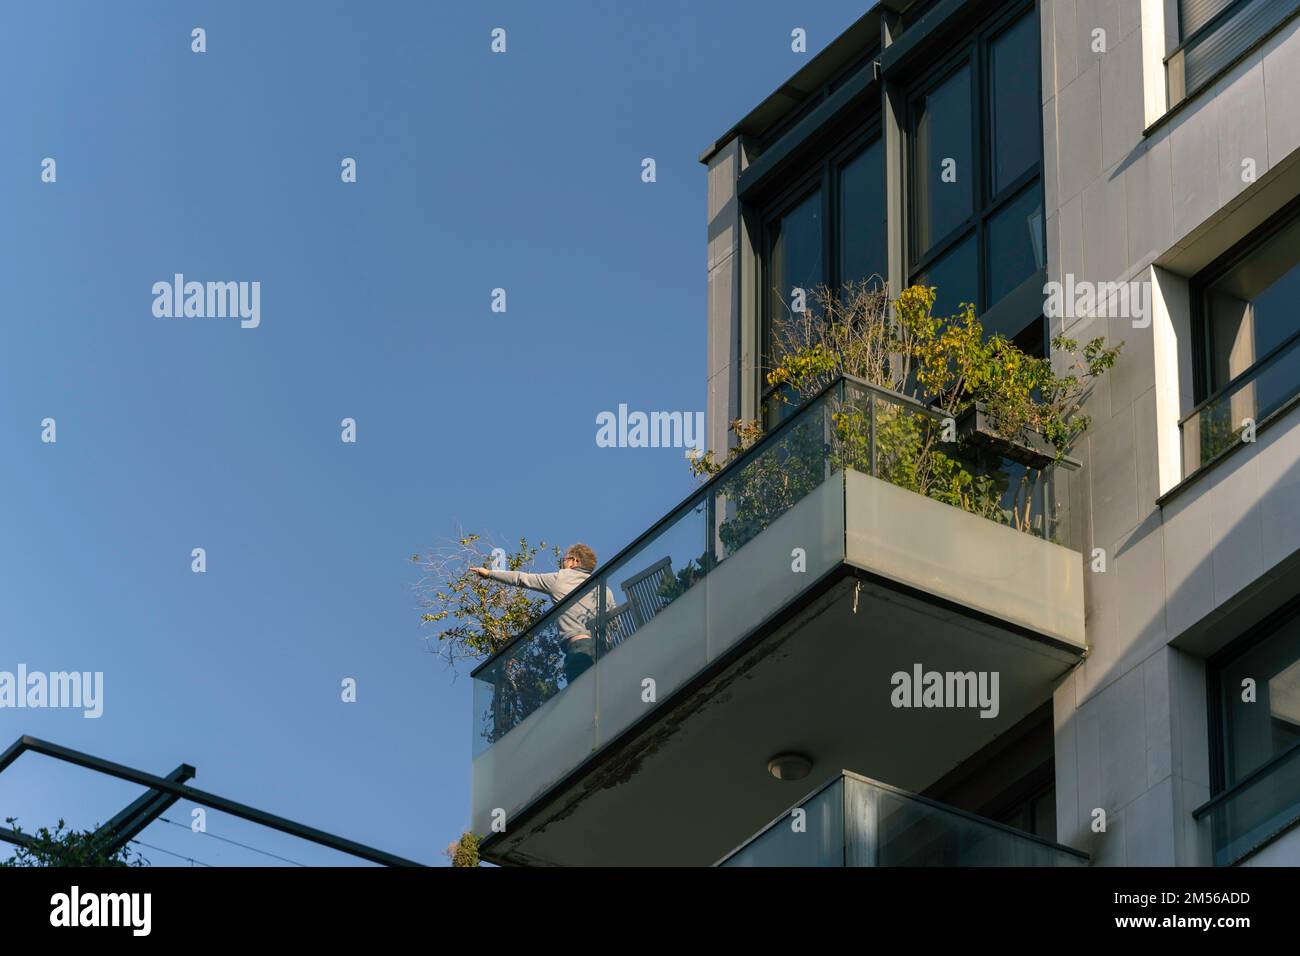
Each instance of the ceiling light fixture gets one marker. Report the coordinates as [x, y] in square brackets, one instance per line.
[789, 766]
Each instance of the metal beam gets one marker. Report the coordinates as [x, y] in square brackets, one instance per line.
[12, 752]
[17, 839]
[202, 797]
[128, 824]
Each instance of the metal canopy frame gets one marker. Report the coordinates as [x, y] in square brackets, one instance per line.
[164, 792]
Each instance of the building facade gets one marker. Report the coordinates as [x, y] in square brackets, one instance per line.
[1120, 685]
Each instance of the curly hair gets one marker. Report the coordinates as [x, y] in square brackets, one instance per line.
[585, 557]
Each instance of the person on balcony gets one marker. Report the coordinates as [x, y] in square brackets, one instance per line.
[574, 624]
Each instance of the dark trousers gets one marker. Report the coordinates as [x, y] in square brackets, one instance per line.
[578, 657]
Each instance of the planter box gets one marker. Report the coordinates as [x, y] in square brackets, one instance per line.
[976, 426]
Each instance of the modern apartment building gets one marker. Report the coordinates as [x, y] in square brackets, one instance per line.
[1118, 682]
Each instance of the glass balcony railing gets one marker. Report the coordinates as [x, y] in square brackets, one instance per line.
[1255, 810]
[854, 821]
[1218, 423]
[656, 585]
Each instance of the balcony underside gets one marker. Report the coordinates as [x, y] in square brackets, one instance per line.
[689, 781]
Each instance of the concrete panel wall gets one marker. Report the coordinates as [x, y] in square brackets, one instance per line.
[1132, 759]
[1124, 203]
[723, 353]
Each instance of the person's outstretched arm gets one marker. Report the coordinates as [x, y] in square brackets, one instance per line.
[545, 583]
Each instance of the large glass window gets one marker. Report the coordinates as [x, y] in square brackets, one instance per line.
[1248, 342]
[1249, 313]
[863, 252]
[954, 275]
[943, 176]
[794, 254]
[1260, 691]
[974, 164]
[827, 230]
[1015, 142]
[1015, 238]
[1256, 695]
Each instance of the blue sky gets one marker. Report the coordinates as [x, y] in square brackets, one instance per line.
[474, 171]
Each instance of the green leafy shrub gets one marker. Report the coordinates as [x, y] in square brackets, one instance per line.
[464, 852]
[474, 617]
[63, 846]
[943, 363]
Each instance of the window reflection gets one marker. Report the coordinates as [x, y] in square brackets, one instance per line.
[1014, 110]
[862, 236]
[1015, 244]
[795, 256]
[942, 174]
[955, 277]
[1251, 309]
[984, 233]
[1256, 732]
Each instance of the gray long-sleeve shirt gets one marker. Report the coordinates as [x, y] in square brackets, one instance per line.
[576, 621]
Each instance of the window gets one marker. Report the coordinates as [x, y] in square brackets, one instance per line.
[975, 221]
[941, 158]
[794, 252]
[828, 229]
[1214, 34]
[1255, 703]
[1035, 814]
[1256, 731]
[862, 246]
[1011, 780]
[1247, 307]
[1248, 339]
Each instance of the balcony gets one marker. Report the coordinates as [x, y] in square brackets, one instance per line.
[854, 821]
[768, 612]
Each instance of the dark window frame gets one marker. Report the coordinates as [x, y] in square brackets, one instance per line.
[1023, 809]
[819, 172]
[972, 52]
[1204, 388]
[1215, 665]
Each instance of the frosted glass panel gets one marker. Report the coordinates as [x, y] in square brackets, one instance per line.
[814, 839]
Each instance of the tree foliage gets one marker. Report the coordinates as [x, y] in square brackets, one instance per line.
[473, 617]
[945, 363]
[464, 852]
[63, 846]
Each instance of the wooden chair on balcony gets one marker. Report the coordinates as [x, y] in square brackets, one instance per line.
[645, 591]
[614, 626]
